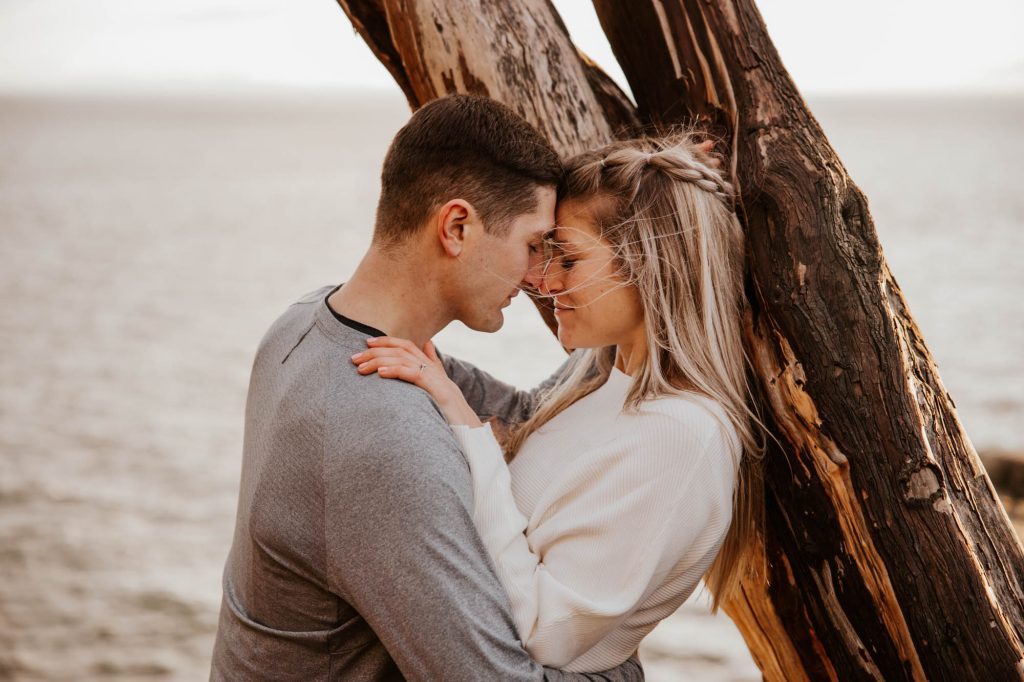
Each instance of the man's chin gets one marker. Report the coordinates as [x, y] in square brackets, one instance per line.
[487, 325]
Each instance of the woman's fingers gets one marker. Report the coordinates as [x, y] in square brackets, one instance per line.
[396, 368]
[431, 352]
[395, 342]
[413, 375]
[707, 147]
[396, 358]
[389, 352]
[370, 365]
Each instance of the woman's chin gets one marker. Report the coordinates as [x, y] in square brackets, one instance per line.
[574, 337]
[573, 341]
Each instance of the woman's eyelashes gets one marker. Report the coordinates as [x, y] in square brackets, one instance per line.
[556, 254]
[558, 262]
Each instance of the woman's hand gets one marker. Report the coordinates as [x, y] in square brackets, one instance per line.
[394, 358]
[707, 148]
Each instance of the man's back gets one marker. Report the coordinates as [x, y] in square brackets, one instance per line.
[354, 555]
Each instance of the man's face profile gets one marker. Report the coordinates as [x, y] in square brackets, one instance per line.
[503, 264]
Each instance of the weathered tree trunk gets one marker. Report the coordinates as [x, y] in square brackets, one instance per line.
[890, 555]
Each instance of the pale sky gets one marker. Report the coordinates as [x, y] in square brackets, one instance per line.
[829, 46]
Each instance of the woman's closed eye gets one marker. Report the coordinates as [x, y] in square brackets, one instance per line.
[558, 262]
[557, 255]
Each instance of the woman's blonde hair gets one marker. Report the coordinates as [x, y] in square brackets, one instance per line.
[667, 213]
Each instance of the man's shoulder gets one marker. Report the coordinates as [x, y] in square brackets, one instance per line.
[305, 306]
[303, 311]
[389, 410]
[292, 324]
[391, 435]
[316, 295]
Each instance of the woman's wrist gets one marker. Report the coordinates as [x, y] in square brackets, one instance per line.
[457, 410]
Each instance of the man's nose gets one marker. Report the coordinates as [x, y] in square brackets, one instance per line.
[534, 274]
[532, 278]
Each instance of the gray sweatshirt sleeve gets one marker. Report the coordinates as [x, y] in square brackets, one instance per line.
[402, 548]
[630, 671]
[490, 397]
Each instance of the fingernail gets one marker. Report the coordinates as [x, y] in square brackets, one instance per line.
[357, 356]
[372, 338]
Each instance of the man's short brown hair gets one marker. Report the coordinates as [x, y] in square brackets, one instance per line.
[465, 147]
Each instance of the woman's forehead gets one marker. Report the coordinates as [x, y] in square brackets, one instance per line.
[572, 233]
[575, 220]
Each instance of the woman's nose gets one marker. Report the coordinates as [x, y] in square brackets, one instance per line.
[549, 282]
[533, 277]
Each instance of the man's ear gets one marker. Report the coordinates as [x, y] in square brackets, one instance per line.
[453, 224]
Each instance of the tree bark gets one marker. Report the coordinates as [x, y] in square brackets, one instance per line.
[890, 555]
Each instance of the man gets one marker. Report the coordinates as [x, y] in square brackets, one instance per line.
[355, 556]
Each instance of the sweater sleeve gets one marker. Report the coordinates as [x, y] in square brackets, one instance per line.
[491, 397]
[605, 543]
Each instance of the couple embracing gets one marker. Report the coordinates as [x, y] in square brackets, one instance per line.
[384, 532]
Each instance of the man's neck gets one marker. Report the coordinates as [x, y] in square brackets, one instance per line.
[393, 294]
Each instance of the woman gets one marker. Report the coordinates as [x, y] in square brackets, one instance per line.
[633, 473]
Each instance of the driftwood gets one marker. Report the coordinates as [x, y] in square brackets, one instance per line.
[890, 555]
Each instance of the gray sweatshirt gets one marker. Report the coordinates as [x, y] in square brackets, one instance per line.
[355, 556]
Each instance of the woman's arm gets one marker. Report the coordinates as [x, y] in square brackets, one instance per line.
[606, 540]
[605, 543]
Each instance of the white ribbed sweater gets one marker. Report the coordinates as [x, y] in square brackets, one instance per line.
[605, 521]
